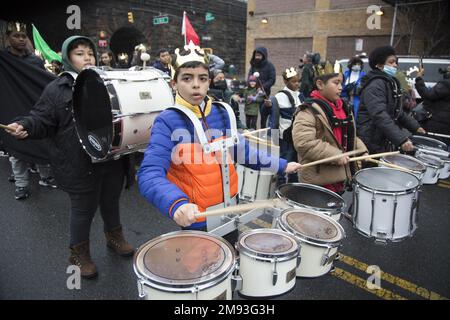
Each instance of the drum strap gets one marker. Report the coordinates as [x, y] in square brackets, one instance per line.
[220, 145]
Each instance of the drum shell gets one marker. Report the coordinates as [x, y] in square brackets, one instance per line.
[316, 258]
[385, 215]
[257, 270]
[335, 213]
[254, 184]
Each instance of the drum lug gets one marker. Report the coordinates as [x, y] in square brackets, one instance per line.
[236, 282]
[141, 291]
[275, 272]
[299, 260]
[381, 238]
[338, 257]
[195, 291]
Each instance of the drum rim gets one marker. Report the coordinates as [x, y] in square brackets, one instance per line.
[164, 284]
[335, 242]
[439, 142]
[433, 158]
[329, 212]
[267, 257]
[368, 188]
[383, 159]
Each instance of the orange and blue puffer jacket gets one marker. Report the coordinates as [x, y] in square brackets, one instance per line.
[168, 183]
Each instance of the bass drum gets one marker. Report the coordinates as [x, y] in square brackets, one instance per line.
[114, 110]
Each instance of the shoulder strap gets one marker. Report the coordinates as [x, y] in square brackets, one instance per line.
[291, 99]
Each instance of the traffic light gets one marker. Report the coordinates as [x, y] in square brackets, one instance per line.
[130, 17]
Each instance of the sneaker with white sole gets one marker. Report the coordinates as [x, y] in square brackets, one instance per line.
[49, 182]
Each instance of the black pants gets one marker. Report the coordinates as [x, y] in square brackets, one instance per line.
[251, 121]
[109, 178]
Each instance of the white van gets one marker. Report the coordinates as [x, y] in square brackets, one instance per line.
[409, 64]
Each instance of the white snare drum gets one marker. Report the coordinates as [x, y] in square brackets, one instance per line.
[406, 162]
[316, 198]
[319, 237]
[115, 110]
[267, 262]
[444, 172]
[434, 166]
[385, 203]
[255, 185]
[185, 265]
[426, 143]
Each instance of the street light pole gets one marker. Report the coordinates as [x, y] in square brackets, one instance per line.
[393, 23]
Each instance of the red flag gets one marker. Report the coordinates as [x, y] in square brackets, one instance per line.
[188, 31]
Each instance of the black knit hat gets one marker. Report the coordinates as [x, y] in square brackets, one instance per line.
[380, 55]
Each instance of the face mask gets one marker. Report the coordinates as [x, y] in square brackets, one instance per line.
[390, 70]
[356, 68]
[221, 84]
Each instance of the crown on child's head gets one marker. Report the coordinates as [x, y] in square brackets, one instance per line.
[16, 27]
[191, 53]
[291, 72]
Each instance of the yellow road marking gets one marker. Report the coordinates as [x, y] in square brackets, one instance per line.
[262, 223]
[361, 283]
[409, 286]
[444, 182]
[444, 185]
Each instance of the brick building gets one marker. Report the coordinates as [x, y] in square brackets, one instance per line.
[335, 28]
[225, 32]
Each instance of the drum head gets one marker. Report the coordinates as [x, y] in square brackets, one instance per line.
[312, 226]
[386, 180]
[267, 243]
[420, 141]
[311, 196]
[405, 161]
[184, 258]
[92, 114]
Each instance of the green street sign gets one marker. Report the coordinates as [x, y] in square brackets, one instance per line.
[160, 20]
[209, 17]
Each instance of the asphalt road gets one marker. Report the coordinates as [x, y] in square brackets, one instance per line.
[34, 251]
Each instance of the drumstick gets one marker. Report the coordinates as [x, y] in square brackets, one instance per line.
[250, 133]
[377, 155]
[2, 126]
[238, 209]
[332, 158]
[261, 141]
[438, 135]
[390, 165]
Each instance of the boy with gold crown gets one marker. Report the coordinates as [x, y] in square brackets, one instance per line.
[187, 168]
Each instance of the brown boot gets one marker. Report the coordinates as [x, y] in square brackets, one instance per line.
[81, 257]
[116, 241]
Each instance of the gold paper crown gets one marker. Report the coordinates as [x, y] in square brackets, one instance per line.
[140, 47]
[291, 72]
[191, 53]
[16, 27]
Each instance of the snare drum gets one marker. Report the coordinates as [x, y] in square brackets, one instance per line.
[114, 110]
[302, 195]
[185, 265]
[385, 203]
[407, 162]
[255, 185]
[434, 166]
[267, 262]
[427, 143]
[319, 237]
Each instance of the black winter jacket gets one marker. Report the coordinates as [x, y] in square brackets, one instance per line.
[381, 117]
[437, 101]
[266, 69]
[52, 118]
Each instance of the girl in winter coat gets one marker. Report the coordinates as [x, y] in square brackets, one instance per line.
[253, 97]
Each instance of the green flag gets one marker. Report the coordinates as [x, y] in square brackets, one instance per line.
[40, 45]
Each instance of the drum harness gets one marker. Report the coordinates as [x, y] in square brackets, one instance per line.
[221, 146]
[346, 124]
